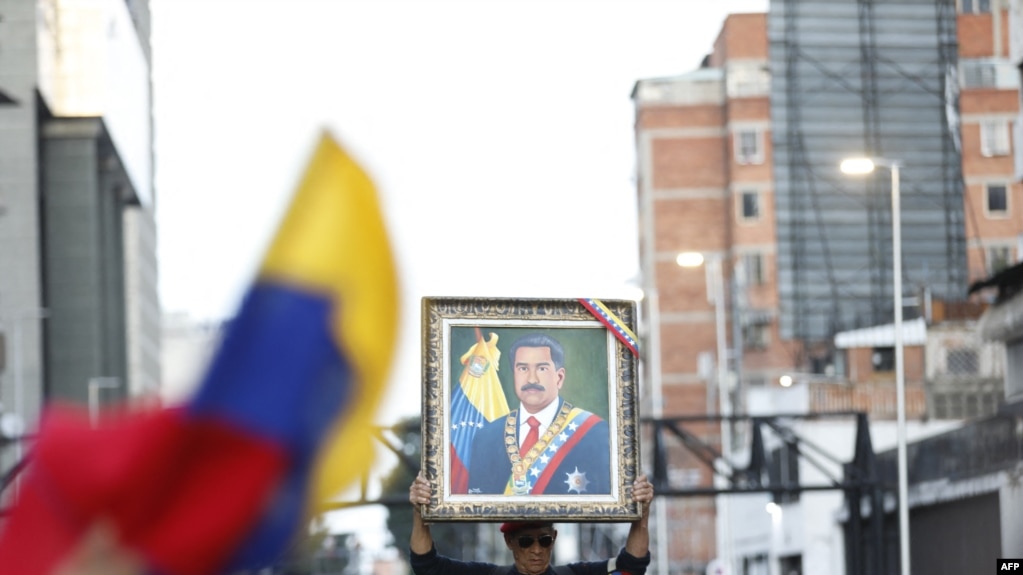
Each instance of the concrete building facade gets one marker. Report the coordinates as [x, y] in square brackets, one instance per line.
[79, 308]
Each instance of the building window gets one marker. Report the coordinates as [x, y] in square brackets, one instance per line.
[755, 564]
[791, 565]
[997, 200]
[998, 258]
[883, 359]
[978, 74]
[989, 403]
[753, 269]
[976, 6]
[961, 361]
[748, 148]
[972, 408]
[750, 205]
[755, 336]
[955, 406]
[994, 138]
[1014, 369]
[971, 404]
[841, 357]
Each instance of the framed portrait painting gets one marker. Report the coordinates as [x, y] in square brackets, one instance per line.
[530, 409]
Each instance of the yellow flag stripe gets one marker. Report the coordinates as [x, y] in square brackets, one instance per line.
[333, 239]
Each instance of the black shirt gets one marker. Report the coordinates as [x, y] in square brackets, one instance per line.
[433, 563]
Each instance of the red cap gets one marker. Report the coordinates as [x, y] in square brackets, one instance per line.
[516, 526]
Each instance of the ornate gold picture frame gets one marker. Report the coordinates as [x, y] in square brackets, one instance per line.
[488, 366]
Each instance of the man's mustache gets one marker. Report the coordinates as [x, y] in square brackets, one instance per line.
[532, 387]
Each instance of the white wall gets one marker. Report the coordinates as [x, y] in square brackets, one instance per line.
[810, 526]
[1010, 499]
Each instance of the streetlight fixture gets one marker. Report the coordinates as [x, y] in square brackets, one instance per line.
[716, 296]
[861, 166]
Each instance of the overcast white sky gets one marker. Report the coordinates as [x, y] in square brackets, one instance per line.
[499, 134]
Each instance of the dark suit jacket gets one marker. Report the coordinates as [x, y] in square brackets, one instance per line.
[583, 467]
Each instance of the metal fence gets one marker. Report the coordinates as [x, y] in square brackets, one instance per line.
[977, 448]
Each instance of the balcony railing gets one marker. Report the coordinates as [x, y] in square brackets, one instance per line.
[877, 400]
[978, 448]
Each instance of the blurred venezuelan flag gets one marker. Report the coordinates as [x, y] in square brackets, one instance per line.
[477, 399]
[277, 426]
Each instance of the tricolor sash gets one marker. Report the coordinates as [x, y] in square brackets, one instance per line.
[532, 474]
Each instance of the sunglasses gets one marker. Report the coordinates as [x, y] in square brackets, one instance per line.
[526, 541]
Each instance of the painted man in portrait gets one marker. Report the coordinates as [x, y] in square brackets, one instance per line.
[547, 445]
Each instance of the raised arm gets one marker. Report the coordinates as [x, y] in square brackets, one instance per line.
[638, 542]
[419, 493]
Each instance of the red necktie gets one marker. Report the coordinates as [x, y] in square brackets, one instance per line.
[531, 436]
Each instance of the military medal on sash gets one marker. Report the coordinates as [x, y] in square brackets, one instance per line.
[519, 466]
[519, 484]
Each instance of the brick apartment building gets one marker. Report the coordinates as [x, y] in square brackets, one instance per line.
[738, 160]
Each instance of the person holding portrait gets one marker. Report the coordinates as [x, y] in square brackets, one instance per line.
[530, 542]
[546, 446]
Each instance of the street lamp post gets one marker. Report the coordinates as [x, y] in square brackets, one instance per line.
[716, 295]
[866, 166]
